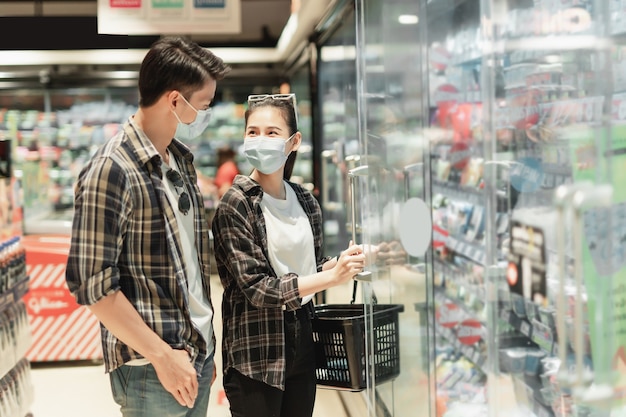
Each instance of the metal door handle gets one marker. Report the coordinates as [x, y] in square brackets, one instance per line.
[562, 200]
[416, 167]
[598, 196]
[361, 171]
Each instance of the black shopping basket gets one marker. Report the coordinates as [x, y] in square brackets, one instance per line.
[339, 337]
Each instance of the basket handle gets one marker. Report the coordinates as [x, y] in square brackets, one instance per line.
[374, 299]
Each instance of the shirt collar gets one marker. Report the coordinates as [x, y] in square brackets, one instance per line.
[146, 151]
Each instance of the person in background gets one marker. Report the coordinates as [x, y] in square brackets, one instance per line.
[139, 254]
[268, 249]
[227, 169]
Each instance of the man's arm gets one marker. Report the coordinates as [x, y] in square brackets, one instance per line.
[173, 367]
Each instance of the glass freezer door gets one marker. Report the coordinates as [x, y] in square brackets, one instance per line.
[528, 143]
[506, 120]
[552, 84]
[388, 211]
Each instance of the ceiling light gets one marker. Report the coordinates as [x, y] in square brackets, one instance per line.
[408, 19]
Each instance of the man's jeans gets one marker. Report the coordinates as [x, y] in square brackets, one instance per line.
[139, 393]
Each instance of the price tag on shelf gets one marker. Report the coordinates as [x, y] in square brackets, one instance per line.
[505, 315]
[6, 300]
[483, 258]
[476, 358]
[542, 411]
[619, 107]
[542, 336]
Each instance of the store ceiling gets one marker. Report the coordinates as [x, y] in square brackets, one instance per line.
[54, 42]
[72, 24]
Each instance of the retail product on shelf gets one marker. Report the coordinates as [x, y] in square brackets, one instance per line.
[16, 390]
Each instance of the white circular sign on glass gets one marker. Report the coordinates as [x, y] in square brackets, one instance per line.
[415, 226]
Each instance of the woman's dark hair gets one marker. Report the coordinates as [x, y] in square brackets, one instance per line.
[289, 114]
[174, 63]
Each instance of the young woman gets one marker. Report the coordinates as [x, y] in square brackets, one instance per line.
[268, 243]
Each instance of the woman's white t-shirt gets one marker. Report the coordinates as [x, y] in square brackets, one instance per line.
[289, 236]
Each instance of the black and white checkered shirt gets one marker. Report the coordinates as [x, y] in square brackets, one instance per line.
[125, 238]
[253, 338]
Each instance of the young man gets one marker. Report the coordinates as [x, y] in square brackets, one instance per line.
[139, 257]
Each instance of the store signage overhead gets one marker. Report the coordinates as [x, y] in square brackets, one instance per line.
[162, 17]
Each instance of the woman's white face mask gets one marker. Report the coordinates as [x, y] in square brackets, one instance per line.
[266, 154]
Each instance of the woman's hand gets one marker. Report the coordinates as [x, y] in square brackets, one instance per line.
[350, 262]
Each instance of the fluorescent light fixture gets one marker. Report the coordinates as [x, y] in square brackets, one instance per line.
[552, 59]
[408, 19]
[338, 53]
[288, 32]
[125, 56]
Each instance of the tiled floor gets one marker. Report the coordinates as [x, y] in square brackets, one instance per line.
[82, 389]
[79, 389]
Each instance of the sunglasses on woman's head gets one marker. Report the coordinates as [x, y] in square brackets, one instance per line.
[289, 97]
[184, 203]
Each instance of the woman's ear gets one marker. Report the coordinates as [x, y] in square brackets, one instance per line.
[296, 141]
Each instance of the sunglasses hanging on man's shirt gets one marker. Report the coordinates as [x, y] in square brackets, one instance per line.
[184, 203]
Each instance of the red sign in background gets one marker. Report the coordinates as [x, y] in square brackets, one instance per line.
[448, 315]
[125, 4]
[61, 329]
[469, 331]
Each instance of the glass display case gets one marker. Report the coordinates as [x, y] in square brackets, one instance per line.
[337, 127]
[53, 133]
[300, 85]
[371, 159]
[506, 120]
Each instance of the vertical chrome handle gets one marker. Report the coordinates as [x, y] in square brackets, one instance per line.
[408, 169]
[562, 200]
[360, 171]
[598, 196]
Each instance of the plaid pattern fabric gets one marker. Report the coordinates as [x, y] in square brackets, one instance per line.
[253, 338]
[125, 237]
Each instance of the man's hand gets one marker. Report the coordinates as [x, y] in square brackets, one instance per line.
[173, 367]
[178, 377]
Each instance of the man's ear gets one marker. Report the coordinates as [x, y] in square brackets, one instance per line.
[173, 98]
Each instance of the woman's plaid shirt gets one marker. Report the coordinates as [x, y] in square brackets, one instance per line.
[253, 338]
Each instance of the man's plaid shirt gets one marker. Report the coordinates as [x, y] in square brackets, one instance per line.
[125, 238]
